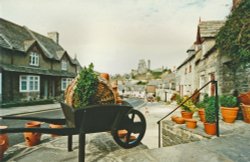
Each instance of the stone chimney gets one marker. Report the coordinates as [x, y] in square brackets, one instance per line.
[236, 4]
[54, 36]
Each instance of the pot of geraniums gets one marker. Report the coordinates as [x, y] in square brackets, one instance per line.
[210, 116]
[188, 108]
[229, 109]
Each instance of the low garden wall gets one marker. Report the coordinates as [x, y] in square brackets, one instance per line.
[174, 134]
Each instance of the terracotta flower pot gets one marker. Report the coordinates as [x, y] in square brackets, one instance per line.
[122, 133]
[174, 117]
[119, 100]
[201, 113]
[229, 114]
[180, 120]
[105, 76]
[132, 138]
[246, 112]
[31, 138]
[55, 126]
[245, 98]
[4, 142]
[187, 115]
[210, 128]
[191, 123]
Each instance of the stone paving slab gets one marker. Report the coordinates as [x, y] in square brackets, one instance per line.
[99, 147]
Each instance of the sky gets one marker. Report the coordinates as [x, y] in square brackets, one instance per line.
[116, 34]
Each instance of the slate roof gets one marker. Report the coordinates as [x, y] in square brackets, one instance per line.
[16, 37]
[190, 57]
[34, 70]
[207, 29]
[210, 28]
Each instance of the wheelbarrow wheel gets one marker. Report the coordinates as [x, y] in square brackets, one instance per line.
[134, 126]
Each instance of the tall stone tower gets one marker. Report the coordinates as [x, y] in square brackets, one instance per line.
[142, 67]
[149, 64]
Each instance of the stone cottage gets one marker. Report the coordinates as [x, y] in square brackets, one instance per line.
[185, 74]
[32, 66]
[204, 63]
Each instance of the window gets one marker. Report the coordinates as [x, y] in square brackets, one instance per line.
[65, 82]
[34, 59]
[29, 83]
[64, 65]
[185, 70]
[190, 68]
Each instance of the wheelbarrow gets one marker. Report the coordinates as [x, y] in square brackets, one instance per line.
[92, 119]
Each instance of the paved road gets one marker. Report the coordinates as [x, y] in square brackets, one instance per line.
[15, 138]
[135, 102]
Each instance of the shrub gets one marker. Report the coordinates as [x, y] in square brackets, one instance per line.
[228, 101]
[188, 105]
[86, 87]
[210, 110]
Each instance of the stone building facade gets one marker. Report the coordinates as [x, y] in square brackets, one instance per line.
[185, 73]
[32, 66]
[208, 64]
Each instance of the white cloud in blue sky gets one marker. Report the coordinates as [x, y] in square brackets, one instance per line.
[115, 34]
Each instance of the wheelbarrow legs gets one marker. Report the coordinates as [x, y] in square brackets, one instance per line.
[69, 143]
[81, 153]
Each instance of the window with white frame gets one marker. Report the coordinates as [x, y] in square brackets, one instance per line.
[34, 59]
[64, 65]
[29, 83]
[65, 82]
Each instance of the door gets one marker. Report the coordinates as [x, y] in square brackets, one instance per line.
[53, 87]
[46, 89]
[212, 86]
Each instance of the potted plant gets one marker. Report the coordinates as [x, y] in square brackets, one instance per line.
[244, 99]
[188, 108]
[229, 109]
[201, 108]
[88, 89]
[210, 115]
[191, 123]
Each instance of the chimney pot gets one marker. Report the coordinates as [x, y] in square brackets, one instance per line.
[54, 36]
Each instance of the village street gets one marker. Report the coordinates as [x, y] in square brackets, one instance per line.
[153, 111]
[101, 146]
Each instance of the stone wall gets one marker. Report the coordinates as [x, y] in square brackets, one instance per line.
[226, 82]
[174, 134]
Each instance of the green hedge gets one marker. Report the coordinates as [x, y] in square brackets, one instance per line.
[26, 103]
